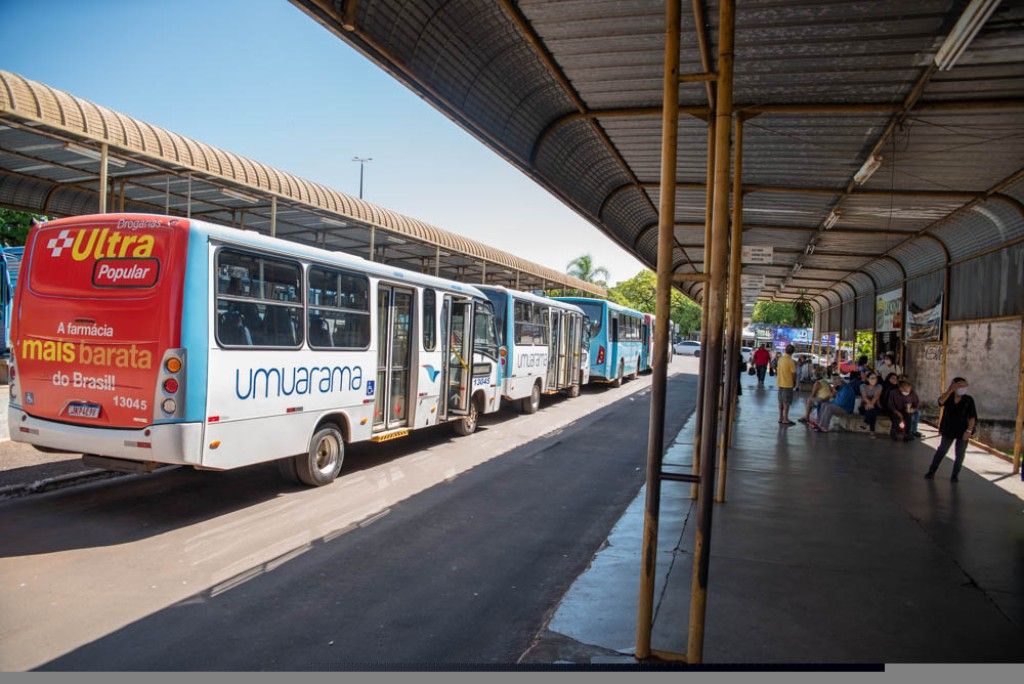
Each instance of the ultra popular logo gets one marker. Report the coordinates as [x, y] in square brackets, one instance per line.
[121, 259]
[100, 243]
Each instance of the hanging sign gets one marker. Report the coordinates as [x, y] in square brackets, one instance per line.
[758, 254]
[924, 324]
[889, 311]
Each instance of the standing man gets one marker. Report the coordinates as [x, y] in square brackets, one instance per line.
[762, 357]
[786, 382]
[958, 418]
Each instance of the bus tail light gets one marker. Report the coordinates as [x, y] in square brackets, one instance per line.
[600, 354]
[12, 372]
[168, 403]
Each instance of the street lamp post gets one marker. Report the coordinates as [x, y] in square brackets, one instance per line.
[362, 161]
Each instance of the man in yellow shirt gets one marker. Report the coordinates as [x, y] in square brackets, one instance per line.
[786, 382]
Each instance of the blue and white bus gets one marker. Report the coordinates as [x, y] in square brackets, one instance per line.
[616, 339]
[542, 346]
[10, 264]
[143, 339]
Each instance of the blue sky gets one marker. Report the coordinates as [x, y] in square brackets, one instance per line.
[260, 78]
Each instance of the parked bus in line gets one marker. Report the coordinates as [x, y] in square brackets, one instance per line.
[154, 339]
[541, 343]
[10, 264]
[616, 345]
[647, 352]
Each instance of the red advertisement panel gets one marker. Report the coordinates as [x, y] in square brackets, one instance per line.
[98, 305]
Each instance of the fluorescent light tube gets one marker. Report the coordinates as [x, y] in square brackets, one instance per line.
[869, 167]
[964, 31]
[332, 222]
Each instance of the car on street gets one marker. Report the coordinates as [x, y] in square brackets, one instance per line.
[746, 353]
[687, 348]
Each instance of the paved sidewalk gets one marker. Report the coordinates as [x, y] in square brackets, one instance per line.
[830, 548]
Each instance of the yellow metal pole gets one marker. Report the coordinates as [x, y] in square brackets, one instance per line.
[1019, 428]
[701, 375]
[659, 375]
[273, 216]
[104, 190]
[716, 292]
[735, 317]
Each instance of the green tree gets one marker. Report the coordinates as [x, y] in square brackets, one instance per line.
[14, 226]
[583, 267]
[639, 292]
[775, 313]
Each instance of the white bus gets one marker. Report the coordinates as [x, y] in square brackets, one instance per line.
[542, 347]
[153, 339]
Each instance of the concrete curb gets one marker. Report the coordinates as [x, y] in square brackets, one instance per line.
[57, 482]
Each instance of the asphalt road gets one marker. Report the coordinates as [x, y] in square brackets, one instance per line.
[427, 550]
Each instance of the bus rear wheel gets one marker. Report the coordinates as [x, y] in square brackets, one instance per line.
[636, 372]
[531, 403]
[466, 425]
[618, 378]
[574, 391]
[322, 463]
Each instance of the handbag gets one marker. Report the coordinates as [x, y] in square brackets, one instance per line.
[752, 371]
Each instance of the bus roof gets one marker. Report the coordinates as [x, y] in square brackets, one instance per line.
[530, 297]
[253, 239]
[611, 305]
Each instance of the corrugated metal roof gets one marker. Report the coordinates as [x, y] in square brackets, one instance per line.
[31, 183]
[512, 72]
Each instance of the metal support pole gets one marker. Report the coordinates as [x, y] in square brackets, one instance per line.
[483, 272]
[103, 178]
[735, 315]
[1019, 427]
[373, 238]
[713, 352]
[188, 202]
[273, 216]
[517, 280]
[701, 374]
[167, 195]
[120, 198]
[659, 375]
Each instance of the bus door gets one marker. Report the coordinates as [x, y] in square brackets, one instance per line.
[457, 348]
[572, 366]
[394, 350]
[555, 328]
[564, 338]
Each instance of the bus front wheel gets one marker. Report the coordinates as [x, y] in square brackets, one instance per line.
[322, 463]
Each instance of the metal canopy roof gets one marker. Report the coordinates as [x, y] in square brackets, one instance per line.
[570, 92]
[49, 163]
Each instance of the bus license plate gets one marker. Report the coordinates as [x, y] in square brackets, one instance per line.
[79, 409]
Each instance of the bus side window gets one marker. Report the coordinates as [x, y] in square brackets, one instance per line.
[522, 316]
[541, 317]
[259, 302]
[339, 309]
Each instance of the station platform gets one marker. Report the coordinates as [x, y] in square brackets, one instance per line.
[830, 548]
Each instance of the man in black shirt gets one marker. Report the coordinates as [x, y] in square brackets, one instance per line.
[957, 425]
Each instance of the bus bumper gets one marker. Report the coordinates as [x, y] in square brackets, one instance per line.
[177, 443]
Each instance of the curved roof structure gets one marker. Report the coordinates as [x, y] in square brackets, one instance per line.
[48, 153]
[570, 92]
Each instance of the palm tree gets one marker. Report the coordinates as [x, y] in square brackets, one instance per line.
[583, 267]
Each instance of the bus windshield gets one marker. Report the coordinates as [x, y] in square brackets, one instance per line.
[594, 313]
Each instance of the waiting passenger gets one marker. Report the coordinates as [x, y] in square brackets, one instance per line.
[904, 407]
[842, 405]
[887, 366]
[959, 417]
[821, 393]
[870, 401]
